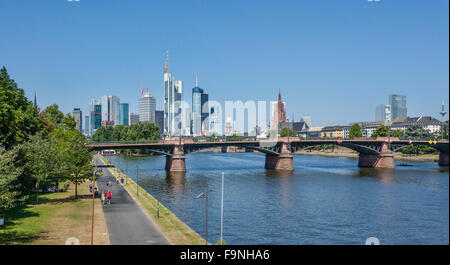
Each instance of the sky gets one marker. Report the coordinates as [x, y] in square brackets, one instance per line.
[332, 60]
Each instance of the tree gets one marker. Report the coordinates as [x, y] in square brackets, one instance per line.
[416, 131]
[355, 131]
[11, 190]
[443, 132]
[381, 131]
[398, 133]
[77, 158]
[18, 117]
[285, 132]
[53, 114]
[42, 160]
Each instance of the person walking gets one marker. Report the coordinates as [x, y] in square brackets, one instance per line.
[90, 186]
[102, 197]
[108, 196]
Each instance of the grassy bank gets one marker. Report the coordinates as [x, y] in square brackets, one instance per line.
[175, 230]
[57, 217]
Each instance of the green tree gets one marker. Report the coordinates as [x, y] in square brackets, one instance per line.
[53, 114]
[42, 161]
[76, 157]
[18, 117]
[443, 132]
[398, 133]
[381, 131]
[416, 131]
[285, 132]
[11, 191]
[355, 131]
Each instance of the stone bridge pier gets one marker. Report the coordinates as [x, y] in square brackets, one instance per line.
[385, 159]
[443, 159]
[176, 162]
[283, 161]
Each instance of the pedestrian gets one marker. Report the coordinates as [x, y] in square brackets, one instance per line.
[102, 197]
[109, 183]
[108, 196]
[95, 192]
[90, 186]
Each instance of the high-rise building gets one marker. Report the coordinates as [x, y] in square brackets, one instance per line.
[215, 118]
[229, 130]
[173, 94]
[87, 125]
[277, 112]
[78, 115]
[123, 114]
[147, 107]
[383, 113]
[95, 109]
[133, 118]
[159, 119]
[398, 106]
[200, 111]
[110, 109]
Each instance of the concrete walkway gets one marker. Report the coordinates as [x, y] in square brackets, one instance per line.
[127, 223]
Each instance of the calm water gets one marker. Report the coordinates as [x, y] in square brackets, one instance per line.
[324, 201]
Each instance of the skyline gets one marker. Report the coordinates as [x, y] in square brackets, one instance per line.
[322, 69]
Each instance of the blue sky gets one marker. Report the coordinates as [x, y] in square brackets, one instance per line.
[333, 60]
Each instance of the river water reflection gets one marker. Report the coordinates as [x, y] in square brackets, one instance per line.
[324, 201]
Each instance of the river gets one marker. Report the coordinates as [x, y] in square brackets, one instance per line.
[326, 200]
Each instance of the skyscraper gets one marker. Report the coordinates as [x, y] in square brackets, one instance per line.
[398, 106]
[110, 109]
[123, 114]
[78, 115]
[147, 107]
[86, 125]
[133, 118]
[159, 119]
[173, 92]
[200, 111]
[95, 109]
[383, 113]
[215, 118]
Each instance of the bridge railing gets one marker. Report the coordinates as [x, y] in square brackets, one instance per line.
[123, 142]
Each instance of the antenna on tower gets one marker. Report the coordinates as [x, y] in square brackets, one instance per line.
[140, 85]
[196, 80]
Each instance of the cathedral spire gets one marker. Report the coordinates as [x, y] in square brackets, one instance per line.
[35, 101]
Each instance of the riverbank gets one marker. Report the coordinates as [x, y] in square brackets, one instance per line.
[397, 156]
[57, 217]
[175, 230]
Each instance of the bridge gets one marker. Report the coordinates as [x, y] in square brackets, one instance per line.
[373, 153]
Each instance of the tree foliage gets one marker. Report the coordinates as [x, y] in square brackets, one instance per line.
[285, 132]
[355, 131]
[19, 119]
[381, 131]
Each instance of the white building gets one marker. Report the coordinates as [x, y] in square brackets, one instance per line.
[147, 107]
[383, 113]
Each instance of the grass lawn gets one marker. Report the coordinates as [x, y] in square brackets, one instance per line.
[57, 217]
[176, 231]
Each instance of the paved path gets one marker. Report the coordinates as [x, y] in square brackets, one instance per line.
[127, 223]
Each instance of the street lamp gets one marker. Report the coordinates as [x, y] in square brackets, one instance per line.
[221, 214]
[205, 195]
[93, 200]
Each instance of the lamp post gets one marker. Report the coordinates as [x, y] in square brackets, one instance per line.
[159, 187]
[93, 201]
[221, 214]
[205, 195]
